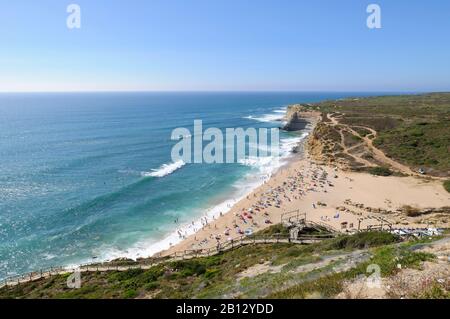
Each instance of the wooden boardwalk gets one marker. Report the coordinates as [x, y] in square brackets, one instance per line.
[151, 262]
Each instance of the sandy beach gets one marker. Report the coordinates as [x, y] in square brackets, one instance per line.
[346, 201]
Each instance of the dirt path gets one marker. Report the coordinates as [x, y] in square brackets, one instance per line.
[346, 150]
[378, 155]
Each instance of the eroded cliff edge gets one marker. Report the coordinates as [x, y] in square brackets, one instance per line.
[298, 116]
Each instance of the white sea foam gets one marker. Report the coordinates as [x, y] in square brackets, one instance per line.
[257, 161]
[287, 145]
[277, 115]
[267, 165]
[164, 170]
[266, 118]
[48, 256]
[282, 110]
[149, 247]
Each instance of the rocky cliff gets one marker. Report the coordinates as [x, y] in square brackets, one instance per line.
[298, 116]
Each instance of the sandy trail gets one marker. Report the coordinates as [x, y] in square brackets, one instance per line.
[368, 141]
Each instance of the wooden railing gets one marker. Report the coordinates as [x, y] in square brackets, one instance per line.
[184, 255]
[158, 259]
[297, 217]
[293, 217]
[323, 225]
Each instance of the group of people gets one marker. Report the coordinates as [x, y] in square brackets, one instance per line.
[300, 182]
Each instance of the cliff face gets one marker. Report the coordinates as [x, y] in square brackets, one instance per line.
[298, 116]
[294, 119]
[316, 146]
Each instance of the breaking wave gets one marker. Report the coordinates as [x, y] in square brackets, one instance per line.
[164, 170]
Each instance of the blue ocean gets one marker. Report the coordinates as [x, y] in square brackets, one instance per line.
[88, 176]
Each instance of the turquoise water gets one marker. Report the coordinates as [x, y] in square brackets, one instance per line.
[82, 176]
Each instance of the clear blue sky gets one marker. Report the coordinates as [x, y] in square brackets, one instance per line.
[299, 45]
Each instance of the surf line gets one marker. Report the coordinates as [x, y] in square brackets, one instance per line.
[229, 149]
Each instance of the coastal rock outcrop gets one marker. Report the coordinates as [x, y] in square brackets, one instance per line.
[296, 118]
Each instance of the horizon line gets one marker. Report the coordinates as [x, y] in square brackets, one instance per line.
[227, 91]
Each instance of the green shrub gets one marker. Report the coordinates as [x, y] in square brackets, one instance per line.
[416, 132]
[293, 252]
[211, 273]
[436, 291]
[277, 229]
[356, 138]
[413, 259]
[130, 294]
[363, 240]
[189, 268]
[326, 287]
[212, 261]
[152, 286]
[153, 274]
[380, 171]
[411, 211]
[125, 275]
[447, 185]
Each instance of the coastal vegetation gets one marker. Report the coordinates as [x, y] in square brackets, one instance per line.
[420, 144]
[272, 270]
[413, 130]
[411, 211]
[380, 171]
[447, 185]
[387, 258]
